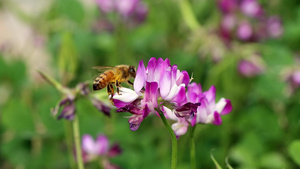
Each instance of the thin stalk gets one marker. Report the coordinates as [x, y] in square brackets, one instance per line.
[68, 135]
[77, 143]
[173, 138]
[192, 151]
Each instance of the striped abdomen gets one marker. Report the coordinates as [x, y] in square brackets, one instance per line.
[102, 80]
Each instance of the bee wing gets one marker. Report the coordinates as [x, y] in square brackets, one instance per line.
[103, 68]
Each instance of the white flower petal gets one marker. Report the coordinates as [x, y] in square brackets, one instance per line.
[126, 95]
[220, 105]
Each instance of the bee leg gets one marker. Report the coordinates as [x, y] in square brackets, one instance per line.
[129, 82]
[110, 91]
[118, 85]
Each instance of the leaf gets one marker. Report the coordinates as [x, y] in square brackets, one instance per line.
[294, 151]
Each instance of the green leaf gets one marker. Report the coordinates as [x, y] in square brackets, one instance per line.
[294, 151]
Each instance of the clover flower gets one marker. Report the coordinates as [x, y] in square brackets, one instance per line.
[246, 21]
[133, 11]
[252, 66]
[209, 112]
[158, 86]
[70, 95]
[93, 149]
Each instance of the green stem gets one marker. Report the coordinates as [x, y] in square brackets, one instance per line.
[68, 135]
[174, 140]
[77, 143]
[193, 153]
[188, 15]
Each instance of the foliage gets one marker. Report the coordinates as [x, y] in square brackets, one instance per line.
[261, 132]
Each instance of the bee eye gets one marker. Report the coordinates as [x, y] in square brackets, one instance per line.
[131, 69]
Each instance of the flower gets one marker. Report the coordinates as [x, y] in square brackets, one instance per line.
[99, 148]
[291, 75]
[251, 66]
[251, 8]
[246, 20]
[133, 10]
[70, 95]
[163, 84]
[209, 112]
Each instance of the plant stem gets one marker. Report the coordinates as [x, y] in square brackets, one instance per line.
[192, 151]
[173, 138]
[77, 143]
[68, 136]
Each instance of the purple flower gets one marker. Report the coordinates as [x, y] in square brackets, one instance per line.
[68, 111]
[133, 10]
[70, 96]
[106, 5]
[207, 112]
[156, 85]
[274, 27]
[291, 75]
[251, 8]
[244, 31]
[126, 7]
[227, 6]
[92, 149]
[245, 20]
[251, 66]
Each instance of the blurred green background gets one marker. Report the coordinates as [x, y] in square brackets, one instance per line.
[66, 38]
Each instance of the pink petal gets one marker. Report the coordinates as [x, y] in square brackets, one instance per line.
[181, 96]
[140, 78]
[165, 84]
[102, 144]
[126, 7]
[88, 144]
[228, 107]
[211, 94]
[183, 78]
[119, 104]
[217, 119]
[106, 5]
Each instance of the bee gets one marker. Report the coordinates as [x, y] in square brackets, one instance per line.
[113, 76]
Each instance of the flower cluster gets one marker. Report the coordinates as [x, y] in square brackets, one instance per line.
[251, 66]
[93, 149]
[291, 75]
[247, 21]
[133, 12]
[161, 87]
[70, 96]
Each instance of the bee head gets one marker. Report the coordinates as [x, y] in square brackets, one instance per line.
[132, 71]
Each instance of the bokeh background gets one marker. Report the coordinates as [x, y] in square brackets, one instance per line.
[248, 49]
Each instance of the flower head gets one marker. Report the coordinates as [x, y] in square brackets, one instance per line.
[134, 11]
[156, 85]
[92, 149]
[208, 112]
[251, 66]
[70, 95]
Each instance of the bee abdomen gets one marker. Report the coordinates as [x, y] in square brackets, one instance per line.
[101, 81]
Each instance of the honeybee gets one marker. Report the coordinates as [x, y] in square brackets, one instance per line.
[113, 76]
